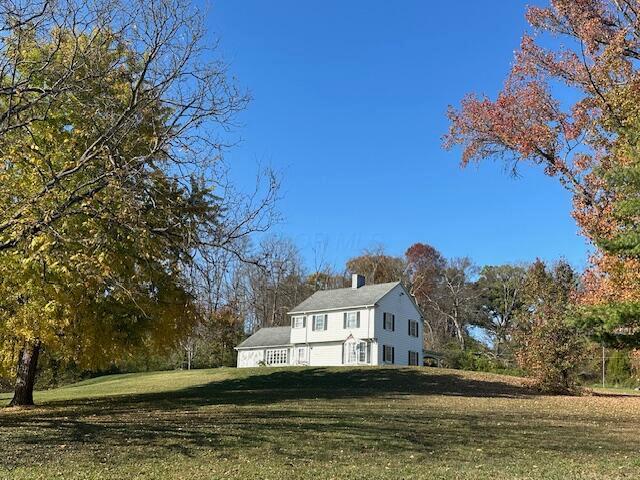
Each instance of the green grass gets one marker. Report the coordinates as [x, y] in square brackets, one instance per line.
[318, 423]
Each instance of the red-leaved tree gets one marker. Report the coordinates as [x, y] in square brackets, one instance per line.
[591, 47]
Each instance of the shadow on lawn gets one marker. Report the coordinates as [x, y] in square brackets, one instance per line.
[269, 386]
[275, 423]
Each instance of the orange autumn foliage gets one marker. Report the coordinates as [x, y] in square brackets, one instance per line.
[591, 47]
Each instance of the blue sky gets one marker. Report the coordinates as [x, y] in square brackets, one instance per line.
[349, 103]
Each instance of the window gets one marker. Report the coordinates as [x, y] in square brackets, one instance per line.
[351, 320]
[413, 328]
[388, 354]
[298, 322]
[302, 355]
[352, 354]
[319, 322]
[356, 352]
[277, 356]
[414, 359]
[363, 352]
[389, 321]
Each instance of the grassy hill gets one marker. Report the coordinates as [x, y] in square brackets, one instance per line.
[318, 423]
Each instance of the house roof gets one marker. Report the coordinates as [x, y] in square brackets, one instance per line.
[268, 337]
[344, 298]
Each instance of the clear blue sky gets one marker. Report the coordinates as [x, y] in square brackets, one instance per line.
[349, 105]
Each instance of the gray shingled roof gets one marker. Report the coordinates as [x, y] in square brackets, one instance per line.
[268, 337]
[344, 298]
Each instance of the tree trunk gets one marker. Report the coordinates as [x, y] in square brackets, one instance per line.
[26, 376]
[459, 332]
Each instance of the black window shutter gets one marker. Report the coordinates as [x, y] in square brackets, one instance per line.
[409, 325]
[344, 320]
[358, 320]
[313, 323]
[304, 322]
[393, 323]
[326, 320]
[393, 354]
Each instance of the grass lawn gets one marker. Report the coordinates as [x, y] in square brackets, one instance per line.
[316, 423]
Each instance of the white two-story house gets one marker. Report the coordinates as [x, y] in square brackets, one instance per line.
[361, 325]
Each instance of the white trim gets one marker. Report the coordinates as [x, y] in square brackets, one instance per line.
[314, 326]
[335, 309]
[351, 317]
[305, 357]
[276, 356]
[373, 339]
[263, 346]
[294, 318]
[359, 345]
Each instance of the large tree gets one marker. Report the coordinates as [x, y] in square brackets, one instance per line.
[547, 346]
[588, 144]
[455, 297]
[108, 147]
[445, 292]
[377, 266]
[425, 268]
[500, 291]
[274, 285]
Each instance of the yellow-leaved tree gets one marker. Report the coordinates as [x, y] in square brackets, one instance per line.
[108, 114]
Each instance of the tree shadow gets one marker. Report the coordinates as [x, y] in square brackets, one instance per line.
[275, 409]
[266, 386]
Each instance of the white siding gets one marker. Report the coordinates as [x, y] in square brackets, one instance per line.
[325, 354]
[398, 303]
[250, 358]
[253, 356]
[335, 328]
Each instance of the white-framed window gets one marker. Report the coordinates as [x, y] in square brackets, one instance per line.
[319, 322]
[413, 328]
[277, 356]
[388, 321]
[388, 354]
[302, 355]
[298, 322]
[363, 352]
[356, 352]
[351, 320]
[414, 358]
[351, 352]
